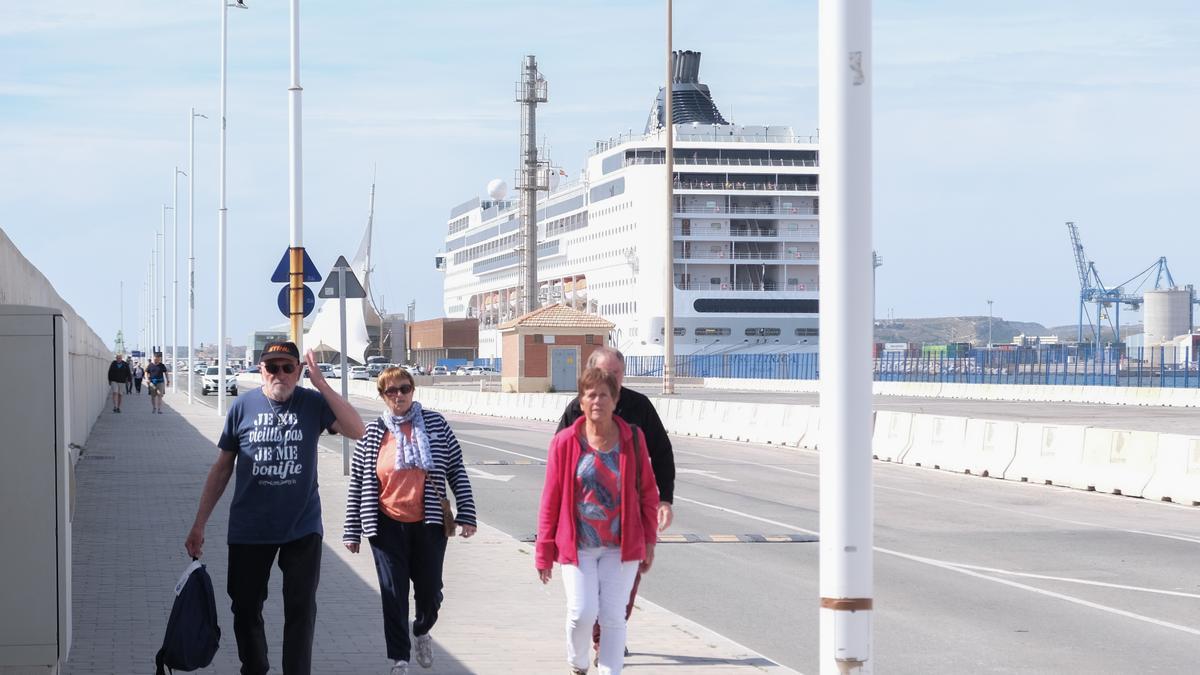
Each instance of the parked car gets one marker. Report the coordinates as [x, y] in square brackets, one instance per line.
[201, 368]
[461, 370]
[440, 370]
[374, 369]
[359, 373]
[212, 381]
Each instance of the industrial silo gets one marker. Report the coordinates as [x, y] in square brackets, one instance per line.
[1168, 314]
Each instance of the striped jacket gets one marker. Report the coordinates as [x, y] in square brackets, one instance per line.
[362, 498]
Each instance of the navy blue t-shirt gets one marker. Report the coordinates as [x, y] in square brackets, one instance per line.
[275, 497]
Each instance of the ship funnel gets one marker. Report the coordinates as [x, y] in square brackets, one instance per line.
[691, 101]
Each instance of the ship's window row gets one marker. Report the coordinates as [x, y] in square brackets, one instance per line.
[604, 233]
[460, 224]
[711, 157]
[486, 248]
[618, 308]
[596, 213]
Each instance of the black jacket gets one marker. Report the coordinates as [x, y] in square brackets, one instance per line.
[636, 408]
[118, 371]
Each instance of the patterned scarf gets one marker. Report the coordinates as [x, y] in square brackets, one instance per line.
[412, 454]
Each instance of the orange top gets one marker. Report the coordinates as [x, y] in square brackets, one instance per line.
[402, 493]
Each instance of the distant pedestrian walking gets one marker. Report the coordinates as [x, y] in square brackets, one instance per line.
[597, 519]
[270, 441]
[158, 376]
[118, 375]
[139, 373]
[398, 478]
[635, 408]
[129, 382]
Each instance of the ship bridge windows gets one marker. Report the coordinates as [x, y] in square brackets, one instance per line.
[712, 157]
[754, 306]
[763, 332]
[709, 332]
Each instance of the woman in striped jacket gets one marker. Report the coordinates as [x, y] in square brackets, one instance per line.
[398, 475]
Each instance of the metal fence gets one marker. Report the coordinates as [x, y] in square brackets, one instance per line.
[1069, 365]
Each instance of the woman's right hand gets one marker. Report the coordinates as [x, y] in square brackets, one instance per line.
[351, 546]
[545, 575]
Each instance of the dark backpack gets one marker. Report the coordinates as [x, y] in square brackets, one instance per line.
[192, 632]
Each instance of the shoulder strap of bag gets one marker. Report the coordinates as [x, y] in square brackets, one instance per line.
[637, 460]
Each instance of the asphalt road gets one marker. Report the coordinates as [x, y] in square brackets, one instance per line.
[972, 574]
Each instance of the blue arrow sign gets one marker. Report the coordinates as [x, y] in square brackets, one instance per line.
[284, 268]
[285, 304]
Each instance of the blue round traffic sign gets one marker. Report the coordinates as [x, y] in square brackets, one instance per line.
[285, 304]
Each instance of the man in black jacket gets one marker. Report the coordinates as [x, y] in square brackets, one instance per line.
[118, 375]
[634, 408]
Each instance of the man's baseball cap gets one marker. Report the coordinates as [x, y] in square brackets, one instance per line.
[277, 348]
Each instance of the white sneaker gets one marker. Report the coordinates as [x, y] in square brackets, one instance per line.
[400, 668]
[424, 650]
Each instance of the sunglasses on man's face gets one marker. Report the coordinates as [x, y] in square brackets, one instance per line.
[274, 368]
[405, 389]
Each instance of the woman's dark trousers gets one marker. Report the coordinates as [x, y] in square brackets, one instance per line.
[408, 552]
[249, 570]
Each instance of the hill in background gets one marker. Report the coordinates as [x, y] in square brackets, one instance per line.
[974, 329]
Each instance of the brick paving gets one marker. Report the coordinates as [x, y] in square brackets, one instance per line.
[138, 483]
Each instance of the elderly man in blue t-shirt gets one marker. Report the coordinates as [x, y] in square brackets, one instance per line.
[270, 440]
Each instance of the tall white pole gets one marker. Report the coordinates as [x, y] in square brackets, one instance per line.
[221, 224]
[669, 163]
[191, 290]
[846, 501]
[162, 288]
[295, 182]
[175, 282]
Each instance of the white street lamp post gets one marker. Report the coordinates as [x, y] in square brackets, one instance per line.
[846, 501]
[191, 290]
[221, 213]
[668, 384]
[175, 281]
[162, 272]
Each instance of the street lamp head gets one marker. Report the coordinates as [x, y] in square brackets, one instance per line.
[180, 171]
[240, 4]
[196, 114]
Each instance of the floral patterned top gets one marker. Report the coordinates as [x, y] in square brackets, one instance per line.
[598, 497]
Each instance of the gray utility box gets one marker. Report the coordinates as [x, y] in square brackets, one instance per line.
[35, 519]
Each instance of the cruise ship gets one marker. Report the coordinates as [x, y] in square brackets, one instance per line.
[745, 244]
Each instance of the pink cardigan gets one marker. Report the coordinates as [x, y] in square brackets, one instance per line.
[556, 516]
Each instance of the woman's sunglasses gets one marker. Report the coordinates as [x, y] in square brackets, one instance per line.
[405, 389]
[274, 368]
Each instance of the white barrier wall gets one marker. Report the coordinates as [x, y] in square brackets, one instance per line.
[1143, 396]
[1132, 463]
[22, 284]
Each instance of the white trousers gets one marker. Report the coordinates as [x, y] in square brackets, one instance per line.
[598, 590]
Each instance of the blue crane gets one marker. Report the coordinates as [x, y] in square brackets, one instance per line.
[1092, 289]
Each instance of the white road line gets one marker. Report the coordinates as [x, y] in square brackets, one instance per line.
[942, 498]
[1040, 591]
[966, 569]
[1073, 580]
[510, 452]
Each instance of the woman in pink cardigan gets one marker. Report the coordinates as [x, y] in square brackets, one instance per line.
[597, 519]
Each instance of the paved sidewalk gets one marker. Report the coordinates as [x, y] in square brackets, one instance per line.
[138, 483]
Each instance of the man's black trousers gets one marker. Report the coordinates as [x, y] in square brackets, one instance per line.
[249, 570]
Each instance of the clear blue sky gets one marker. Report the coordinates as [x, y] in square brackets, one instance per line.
[995, 122]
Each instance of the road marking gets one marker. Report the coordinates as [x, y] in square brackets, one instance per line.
[1073, 580]
[693, 538]
[706, 474]
[768, 521]
[1051, 594]
[539, 460]
[748, 463]
[480, 473]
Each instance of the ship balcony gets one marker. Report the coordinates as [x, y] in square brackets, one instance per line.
[740, 288]
[724, 233]
[723, 162]
[698, 185]
[711, 208]
[766, 257]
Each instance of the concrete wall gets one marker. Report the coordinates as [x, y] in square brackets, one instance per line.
[22, 284]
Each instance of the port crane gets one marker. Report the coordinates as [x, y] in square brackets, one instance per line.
[1092, 289]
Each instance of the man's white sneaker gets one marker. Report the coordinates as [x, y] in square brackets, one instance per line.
[424, 650]
[400, 668]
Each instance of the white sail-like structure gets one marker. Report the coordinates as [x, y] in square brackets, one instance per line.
[324, 335]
